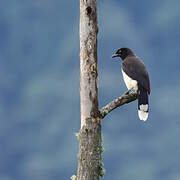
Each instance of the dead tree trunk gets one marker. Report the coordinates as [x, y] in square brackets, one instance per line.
[90, 148]
[89, 160]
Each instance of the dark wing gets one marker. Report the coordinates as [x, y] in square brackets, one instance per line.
[136, 70]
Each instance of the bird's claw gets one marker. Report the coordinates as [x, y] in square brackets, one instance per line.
[131, 91]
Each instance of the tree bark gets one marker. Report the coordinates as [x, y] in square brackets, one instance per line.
[124, 99]
[90, 143]
[89, 158]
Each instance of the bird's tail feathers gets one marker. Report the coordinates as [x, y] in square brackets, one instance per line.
[143, 104]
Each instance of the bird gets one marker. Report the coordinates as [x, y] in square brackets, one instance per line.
[136, 78]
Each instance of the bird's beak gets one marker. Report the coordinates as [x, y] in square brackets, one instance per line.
[115, 55]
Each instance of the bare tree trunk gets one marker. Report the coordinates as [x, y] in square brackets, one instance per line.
[89, 159]
[90, 148]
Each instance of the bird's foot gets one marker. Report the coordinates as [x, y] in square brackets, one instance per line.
[131, 91]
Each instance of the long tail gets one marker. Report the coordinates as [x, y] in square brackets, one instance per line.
[143, 104]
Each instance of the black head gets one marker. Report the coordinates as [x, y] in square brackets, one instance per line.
[123, 53]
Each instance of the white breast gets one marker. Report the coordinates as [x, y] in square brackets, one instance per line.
[130, 83]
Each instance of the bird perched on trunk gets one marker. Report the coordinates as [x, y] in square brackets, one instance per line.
[136, 78]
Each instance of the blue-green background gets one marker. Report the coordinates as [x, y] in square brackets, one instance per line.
[39, 89]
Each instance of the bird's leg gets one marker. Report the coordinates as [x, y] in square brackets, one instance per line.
[131, 91]
[126, 93]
